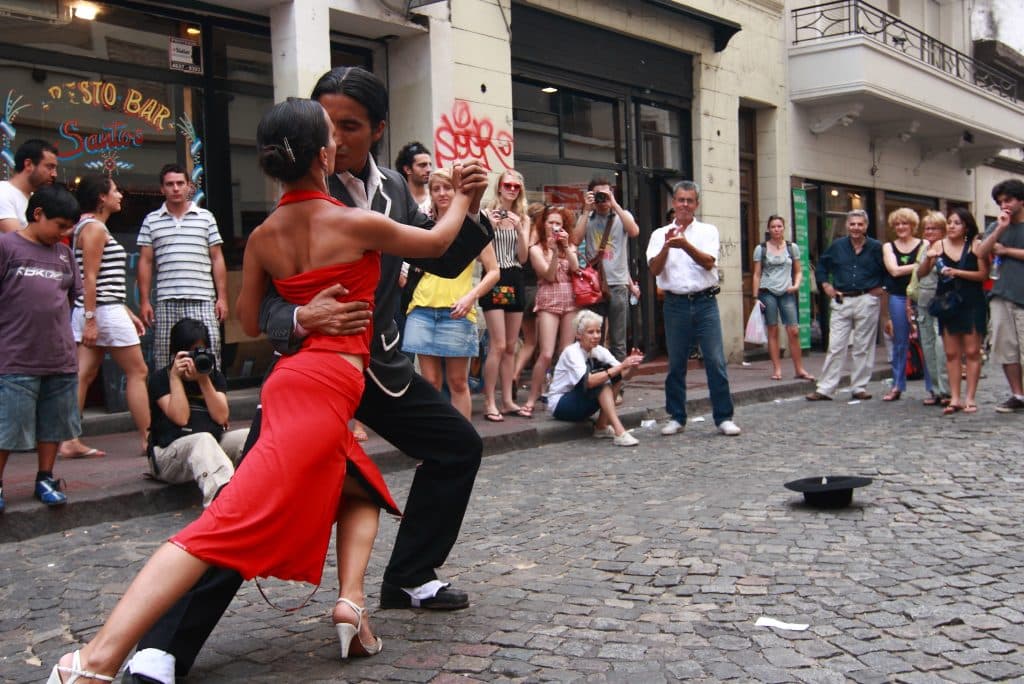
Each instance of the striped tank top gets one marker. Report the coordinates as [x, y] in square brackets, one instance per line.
[506, 241]
[110, 281]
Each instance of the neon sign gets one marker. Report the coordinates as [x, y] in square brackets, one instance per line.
[115, 136]
[105, 94]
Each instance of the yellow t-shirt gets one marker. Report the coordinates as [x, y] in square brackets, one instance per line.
[437, 293]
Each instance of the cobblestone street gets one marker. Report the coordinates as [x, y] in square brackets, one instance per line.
[589, 562]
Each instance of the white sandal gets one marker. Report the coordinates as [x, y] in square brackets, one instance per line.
[348, 634]
[76, 673]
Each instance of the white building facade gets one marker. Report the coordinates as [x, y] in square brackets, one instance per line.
[918, 103]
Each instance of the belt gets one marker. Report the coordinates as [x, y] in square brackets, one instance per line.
[854, 293]
[709, 292]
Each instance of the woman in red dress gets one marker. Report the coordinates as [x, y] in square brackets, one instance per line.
[274, 518]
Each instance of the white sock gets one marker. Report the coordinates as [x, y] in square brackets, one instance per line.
[153, 663]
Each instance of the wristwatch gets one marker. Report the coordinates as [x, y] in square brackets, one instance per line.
[90, 315]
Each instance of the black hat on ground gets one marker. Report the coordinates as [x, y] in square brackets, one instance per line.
[828, 491]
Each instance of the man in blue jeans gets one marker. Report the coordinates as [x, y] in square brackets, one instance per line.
[683, 257]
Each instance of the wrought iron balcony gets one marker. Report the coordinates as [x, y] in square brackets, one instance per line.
[852, 17]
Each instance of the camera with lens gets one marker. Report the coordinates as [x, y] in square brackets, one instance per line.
[203, 359]
[600, 196]
[502, 213]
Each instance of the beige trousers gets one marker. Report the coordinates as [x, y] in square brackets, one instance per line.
[200, 457]
[854, 324]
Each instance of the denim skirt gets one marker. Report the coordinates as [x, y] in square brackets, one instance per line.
[434, 332]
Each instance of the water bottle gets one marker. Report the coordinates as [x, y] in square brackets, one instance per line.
[940, 264]
[996, 263]
[633, 301]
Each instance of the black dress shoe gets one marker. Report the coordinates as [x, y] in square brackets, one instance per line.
[130, 678]
[445, 599]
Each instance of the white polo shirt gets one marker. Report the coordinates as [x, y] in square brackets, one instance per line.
[683, 275]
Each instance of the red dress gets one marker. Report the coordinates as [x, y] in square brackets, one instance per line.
[274, 517]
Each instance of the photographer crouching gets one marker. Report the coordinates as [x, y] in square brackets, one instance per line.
[188, 438]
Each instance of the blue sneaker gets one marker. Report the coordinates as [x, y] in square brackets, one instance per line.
[48, 491]
[3, 505]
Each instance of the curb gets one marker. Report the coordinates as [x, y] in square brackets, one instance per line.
[149, 497]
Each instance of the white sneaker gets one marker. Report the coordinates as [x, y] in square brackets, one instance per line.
[727, 427]
[672, 427]
[604, 433]
[626, 439]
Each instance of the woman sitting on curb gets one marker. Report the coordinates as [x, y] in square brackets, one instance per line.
[587, 378]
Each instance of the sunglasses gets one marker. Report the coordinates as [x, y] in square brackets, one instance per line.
[511, 186]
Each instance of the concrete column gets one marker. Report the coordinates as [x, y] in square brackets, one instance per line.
[300, 40]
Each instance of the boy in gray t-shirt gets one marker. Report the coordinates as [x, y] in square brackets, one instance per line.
[38, 364]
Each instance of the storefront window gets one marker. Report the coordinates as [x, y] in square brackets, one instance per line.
[242, 57]
[124, 128]
[252, 194]
[661, 139]
[558, 123]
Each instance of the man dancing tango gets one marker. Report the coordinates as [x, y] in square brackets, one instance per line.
[397, 404]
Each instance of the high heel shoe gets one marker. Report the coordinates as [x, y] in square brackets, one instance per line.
[76, 673]
[348, 635]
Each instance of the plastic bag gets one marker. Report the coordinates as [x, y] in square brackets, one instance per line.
[756, 332]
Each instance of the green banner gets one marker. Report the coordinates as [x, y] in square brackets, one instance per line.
[800, 236]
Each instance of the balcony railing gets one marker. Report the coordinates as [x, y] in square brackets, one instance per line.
[852, 17]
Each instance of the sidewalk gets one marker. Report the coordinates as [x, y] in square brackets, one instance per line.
[117, 486]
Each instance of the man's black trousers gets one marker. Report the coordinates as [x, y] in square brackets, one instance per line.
[423, 425]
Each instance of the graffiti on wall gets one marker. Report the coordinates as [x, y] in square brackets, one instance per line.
[461, 135]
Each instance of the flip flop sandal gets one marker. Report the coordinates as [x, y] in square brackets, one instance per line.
[494, 417]
[951, 409]
[88, 453]
[525, 412]
[971, 408]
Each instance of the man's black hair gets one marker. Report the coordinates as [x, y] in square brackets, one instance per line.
[56, 201]
[407, 155]
[32, 150]
[598, 180]
[359, 84]
[1011, 187]
[173, 167]
[187, 332]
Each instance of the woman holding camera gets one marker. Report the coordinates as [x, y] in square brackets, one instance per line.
[961, 275]
[503, 304]
[101, 320]
[275, 516]
[554, 259]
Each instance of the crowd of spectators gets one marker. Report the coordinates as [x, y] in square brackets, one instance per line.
[940, 283]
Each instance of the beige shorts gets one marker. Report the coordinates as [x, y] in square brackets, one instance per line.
[115, 327]
[1007, 330]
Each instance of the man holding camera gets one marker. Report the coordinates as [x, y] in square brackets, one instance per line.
[602, 216]
[850, 273]
[188, 438]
